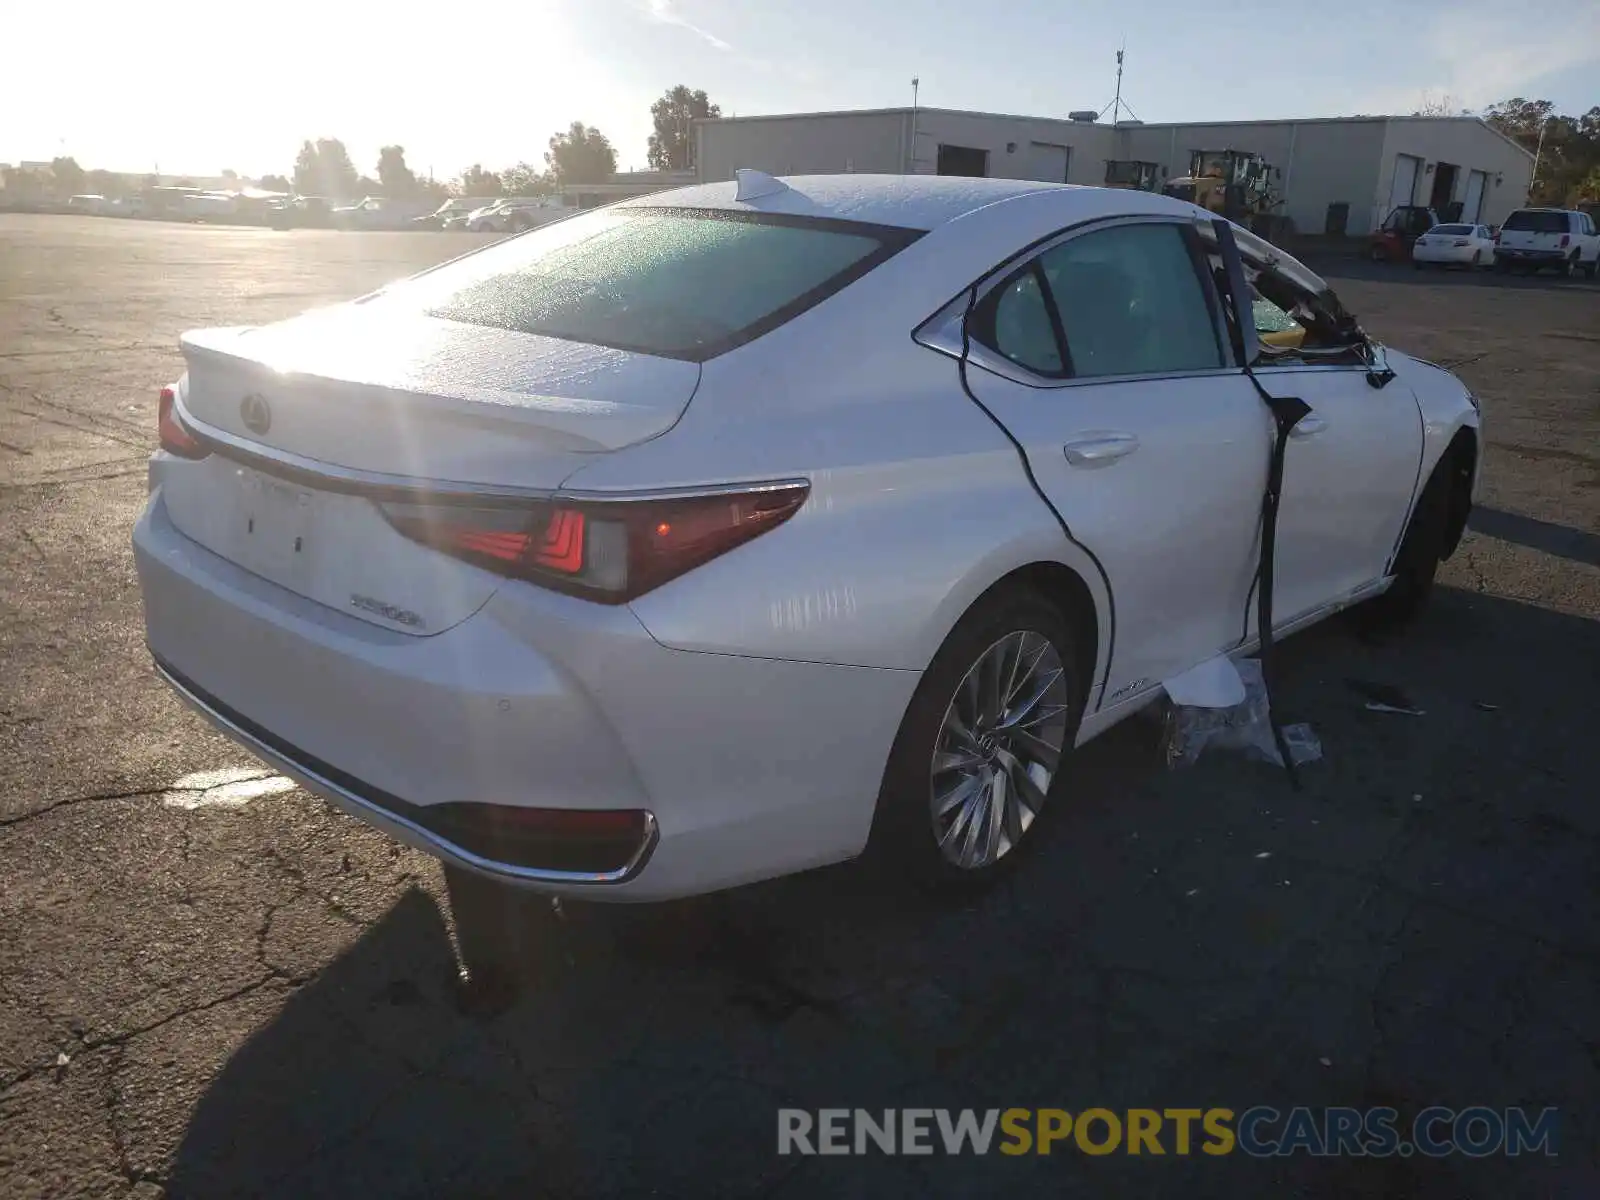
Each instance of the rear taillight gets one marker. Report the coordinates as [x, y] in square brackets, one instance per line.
[605, 550]
[175, 439]
[1566, 240]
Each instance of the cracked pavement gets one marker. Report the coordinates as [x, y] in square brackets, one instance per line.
[259, 999]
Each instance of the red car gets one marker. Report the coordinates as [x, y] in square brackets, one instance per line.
[1399, 232]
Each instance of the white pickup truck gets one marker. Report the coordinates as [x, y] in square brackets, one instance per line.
[1548, 237]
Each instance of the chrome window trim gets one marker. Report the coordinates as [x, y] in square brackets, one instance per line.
[942, 331]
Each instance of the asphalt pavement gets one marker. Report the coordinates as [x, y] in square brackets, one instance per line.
[212, 985]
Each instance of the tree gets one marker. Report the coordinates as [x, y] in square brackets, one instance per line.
[1445, 105]
[475, 181]
[394, 177]
[68, 176]
[581, 155]
[1568, 147]
[323, 168]
[1520, 120]
[672, 144]
[525, 179]
[274, 183]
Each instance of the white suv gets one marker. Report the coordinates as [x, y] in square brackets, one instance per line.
[1548, 237]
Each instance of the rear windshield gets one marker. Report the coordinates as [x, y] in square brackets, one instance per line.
[682, 283]
[1452, 230]
[1537, 222]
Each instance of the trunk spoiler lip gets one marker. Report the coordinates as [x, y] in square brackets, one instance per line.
[377, 485]
[577, 420]
[330, 477]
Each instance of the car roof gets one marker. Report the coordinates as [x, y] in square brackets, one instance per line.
[907, 201]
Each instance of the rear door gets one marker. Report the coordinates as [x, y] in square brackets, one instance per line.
[1104, 357]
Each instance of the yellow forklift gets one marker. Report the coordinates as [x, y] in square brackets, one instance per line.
[1235, 184]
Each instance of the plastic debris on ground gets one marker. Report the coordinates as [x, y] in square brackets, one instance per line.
[1193, 728]
[1385, 698]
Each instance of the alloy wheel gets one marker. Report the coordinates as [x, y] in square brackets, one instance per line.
[998, 750]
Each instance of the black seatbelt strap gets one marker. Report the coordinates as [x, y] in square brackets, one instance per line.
[1287, 412]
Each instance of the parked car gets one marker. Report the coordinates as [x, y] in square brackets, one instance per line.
[373, 213]
[456, 207]
[1399, 232]
[300, 212]
[210, 206]
[1564, 239]
[1454, 245]
[704, 537]
[90, 206]
[516, 215]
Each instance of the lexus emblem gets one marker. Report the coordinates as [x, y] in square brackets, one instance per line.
[256, 413]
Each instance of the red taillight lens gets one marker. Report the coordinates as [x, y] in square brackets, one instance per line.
[175, 439]
[1566, 240]
[606, 550]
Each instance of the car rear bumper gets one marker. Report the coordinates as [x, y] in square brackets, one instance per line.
[744, 768]
[1544, 256]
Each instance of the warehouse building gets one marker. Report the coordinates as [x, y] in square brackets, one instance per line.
[1335, 175]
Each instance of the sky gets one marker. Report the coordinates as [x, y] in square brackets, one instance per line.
[197, 86]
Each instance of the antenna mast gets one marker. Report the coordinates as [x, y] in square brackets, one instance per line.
[1117, 104]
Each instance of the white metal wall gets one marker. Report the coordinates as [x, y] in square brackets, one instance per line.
[820, 144]
[1507, 170]
[1019, 147]
[1320, 162]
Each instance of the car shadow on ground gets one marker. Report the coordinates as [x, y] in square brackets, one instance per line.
[1546, 536]
[1416, 925]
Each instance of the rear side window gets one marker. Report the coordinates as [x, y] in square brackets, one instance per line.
[1537, 222]
[1131, 302]
[1021, 328]
[1451, 230]
[680, 283]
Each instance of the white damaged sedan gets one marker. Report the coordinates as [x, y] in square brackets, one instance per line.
[712, 535]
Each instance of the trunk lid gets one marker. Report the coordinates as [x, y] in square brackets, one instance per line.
[397, 393]
[349, 393]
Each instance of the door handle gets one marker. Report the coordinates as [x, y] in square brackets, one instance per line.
[1308, 427]
[1098, 449]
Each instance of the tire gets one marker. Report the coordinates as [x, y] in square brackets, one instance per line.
[1004, 633]
[1416, 264]
[1421, 550]
[1564, 271]
[1592, 270]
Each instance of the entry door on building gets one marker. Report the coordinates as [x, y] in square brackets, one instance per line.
[1472, 202]
[1406, 168]
[1048, 162]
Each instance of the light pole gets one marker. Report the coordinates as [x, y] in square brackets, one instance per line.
[912, 155]
[1537, 154]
